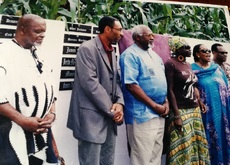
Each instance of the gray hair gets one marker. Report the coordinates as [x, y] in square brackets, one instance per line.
[138, 30]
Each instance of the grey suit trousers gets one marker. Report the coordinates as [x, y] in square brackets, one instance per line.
[98, 154]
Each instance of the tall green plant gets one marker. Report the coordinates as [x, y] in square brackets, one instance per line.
[49, 9]
[175, 19]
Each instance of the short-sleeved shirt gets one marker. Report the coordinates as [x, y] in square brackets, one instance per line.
[183, 83]
[146, 69]
[29, 92]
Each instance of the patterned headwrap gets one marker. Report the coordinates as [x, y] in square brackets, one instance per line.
[176, 43]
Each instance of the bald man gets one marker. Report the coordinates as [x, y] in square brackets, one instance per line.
[26, 98]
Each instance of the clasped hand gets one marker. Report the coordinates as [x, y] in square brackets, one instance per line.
[164, 110]
[38, 125]
[117, 109]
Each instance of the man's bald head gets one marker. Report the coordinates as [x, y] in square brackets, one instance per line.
[30, 30]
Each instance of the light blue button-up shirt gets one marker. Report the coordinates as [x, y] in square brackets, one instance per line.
[146, 69]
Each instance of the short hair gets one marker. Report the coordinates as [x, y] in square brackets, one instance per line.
[106, 21]
[26, 20]
[196, 49]
[138, 30]
[214, 47]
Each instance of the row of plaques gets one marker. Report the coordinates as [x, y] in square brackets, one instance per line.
[83, 33]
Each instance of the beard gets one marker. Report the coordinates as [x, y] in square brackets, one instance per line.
[151, 45]
[147, 45]
[144, 45]
[37, 43]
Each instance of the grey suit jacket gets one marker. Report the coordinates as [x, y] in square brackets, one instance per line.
[96, 87]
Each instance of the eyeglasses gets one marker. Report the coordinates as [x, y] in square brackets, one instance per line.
[205, 51]
[39, 66]
[223, 53]
[118, 29]
[39, 63]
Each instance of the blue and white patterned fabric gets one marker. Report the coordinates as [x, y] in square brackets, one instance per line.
[214, 92]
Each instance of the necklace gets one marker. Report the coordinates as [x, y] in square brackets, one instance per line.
[34, 55]
[36, 59]
[16, 42]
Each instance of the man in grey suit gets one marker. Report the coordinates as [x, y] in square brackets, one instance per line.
[96, 105]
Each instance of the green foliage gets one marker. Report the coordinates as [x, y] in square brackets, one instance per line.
[49, 9]
[183, 20]
[175, 19]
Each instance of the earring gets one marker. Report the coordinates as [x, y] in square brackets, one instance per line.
[180, 58]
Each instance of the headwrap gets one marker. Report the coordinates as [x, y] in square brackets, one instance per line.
[176, 43]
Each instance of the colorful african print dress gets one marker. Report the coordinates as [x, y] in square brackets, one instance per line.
[189, 146]
[213, 87]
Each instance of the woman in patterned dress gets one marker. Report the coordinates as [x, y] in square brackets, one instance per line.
[185, 133]
[214, 92]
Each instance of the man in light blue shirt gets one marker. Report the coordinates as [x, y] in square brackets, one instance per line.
[145, 93]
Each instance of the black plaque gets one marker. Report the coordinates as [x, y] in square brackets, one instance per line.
[66, 85]
[9, 20]
[68, 61]
[70, 50]
[7, 33]
[79, 28]
[77, 39]
[65, 74]
[96, 30]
